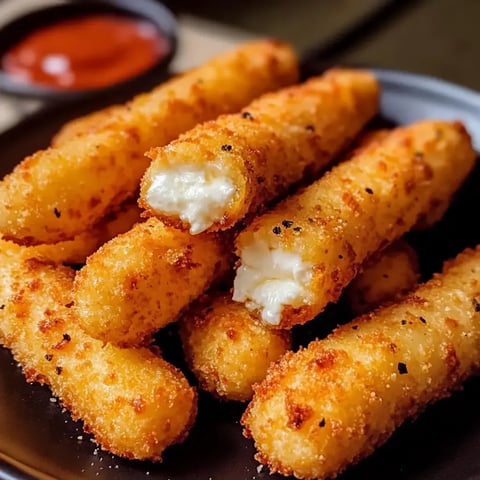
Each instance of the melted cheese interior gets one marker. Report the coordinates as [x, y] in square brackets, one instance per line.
[268, 279]
[198, 196]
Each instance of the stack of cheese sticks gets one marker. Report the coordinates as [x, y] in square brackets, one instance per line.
[242, 236]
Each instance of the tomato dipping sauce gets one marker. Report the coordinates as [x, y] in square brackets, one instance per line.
[88, 52]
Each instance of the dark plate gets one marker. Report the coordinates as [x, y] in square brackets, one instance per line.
[38, 439]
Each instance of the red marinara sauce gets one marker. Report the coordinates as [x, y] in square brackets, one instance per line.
[86, 52]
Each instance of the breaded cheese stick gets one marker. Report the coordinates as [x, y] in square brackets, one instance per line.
[59, 192]
[76, 250]
[300, 255]
[218, 172]
[227, 348]
[387, 275]
[331, 404]
[89, 123]
[132, 401]
[141, 280]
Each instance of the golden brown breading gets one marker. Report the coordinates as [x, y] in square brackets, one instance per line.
[227, 348]
[132, 401]
[300, 255]
[142, 280]
[387, 275]
[92, 122]
[64, 190]
[77, 250]
[331, 404]
[256, 155]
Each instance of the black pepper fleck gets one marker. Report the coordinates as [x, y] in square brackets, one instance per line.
[2, 306]
[247, 115]
[355, 327]
[287, 223]
[369, 191]
[340, 257]
[297, 229]
[66, 337]
[227, 148]
[48, 357]
[58, 370]
[402, 368]
[276, 230]
[403, 322]
[422, 320]
[476, 304]
[57, 213]
[70, 305]
[322, 423]
[310, 128]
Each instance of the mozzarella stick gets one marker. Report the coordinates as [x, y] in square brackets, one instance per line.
[227, 348]
[300, 255]
[76, 250]
[387, 275]
[142, 280]
[92, 122]
[218, 172]
[331, 404]
[132, 401]
[59, 192]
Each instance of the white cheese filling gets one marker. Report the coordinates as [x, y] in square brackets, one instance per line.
[198, 196]
[268, 279]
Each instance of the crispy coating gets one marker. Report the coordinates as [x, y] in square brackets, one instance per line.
[142, 280]
[359, 207]
[331, 404]
[59, 192]
[227, 348]
[132, 401]
[92, 122]
[387, 275]
[273, 143]
[76, 251]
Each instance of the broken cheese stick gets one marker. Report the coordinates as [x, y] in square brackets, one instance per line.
[331, 404]
[57, 193]
[300, 255]
[133, 402]
[220, 171]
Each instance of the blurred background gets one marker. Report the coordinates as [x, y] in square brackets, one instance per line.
[433, 37]
[436, 37]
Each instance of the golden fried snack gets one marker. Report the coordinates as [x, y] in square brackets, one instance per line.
[77, 250]
[387, 275]
[59, 192]
[331, 404]
[215, 174]
[300, 255]
[92, 122]
[227, 348]
[142, 280]
[132, 401]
